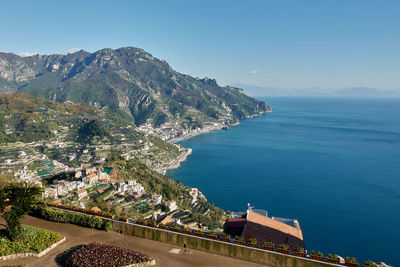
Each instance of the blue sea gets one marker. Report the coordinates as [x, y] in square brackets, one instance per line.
[331, 163]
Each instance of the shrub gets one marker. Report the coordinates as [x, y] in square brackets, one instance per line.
[71, 217]
[100, 254]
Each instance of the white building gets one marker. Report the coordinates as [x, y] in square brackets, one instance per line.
[156, 199]
[90, 180]
[171, 205]
[81, 194]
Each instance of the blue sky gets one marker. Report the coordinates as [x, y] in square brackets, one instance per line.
[285, 44]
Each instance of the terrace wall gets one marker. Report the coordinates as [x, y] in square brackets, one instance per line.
[217, 247]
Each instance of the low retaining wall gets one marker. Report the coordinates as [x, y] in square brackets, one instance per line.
[30, 254]
[217, 247]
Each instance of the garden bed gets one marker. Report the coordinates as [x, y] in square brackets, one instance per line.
[101, 254]
[33, 241]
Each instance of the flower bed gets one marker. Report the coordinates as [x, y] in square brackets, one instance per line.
[100, 254]
[34, 240]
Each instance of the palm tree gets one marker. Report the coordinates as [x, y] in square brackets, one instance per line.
[21, 197]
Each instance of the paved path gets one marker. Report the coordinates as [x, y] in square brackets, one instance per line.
[164, 254]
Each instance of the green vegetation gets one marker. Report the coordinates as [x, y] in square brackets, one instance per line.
[32, 239]
[19, 197]
[351, 260]
[369, 263]
[84, 220]
[91, 130]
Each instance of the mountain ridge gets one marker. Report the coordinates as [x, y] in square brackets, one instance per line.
[129, 81]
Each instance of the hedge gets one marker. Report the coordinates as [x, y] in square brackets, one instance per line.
[84, 220]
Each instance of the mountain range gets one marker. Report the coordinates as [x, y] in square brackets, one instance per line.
[128, 81]
[320, 92]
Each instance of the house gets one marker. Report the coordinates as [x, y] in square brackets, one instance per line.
[61, 189]
[91, 179]
[256, 224]
[80, 185]
[90, 171]
[105, 177]
[50, 192]
[156, 199]
[78, 174]
[96, 209]
[81, 194]
[171, 205]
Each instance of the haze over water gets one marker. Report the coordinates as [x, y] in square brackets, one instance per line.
[333, 164]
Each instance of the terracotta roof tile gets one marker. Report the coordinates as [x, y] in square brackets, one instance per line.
[264, 228]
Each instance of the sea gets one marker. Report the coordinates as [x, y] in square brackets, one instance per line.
[331, 163]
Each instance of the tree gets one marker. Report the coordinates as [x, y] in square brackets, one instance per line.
[21, 197]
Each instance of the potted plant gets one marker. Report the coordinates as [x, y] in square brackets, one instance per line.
[333, 259]
[187, 231]
[283, 248]
[162, 226]
[238, 240]
[268, 245]
[151, 223]
[317, 255]
[123, 219]
[351, 262]
[369, 263]
[174, 228]
[253, 243]
[225, 237]
[199, 233]
[211, 235]
[300, 252]
[140, 221]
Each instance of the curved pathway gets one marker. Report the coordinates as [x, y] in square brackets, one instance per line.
[164, 254]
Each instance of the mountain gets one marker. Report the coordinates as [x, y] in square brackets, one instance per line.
[44, 128]
[319, 92]
[129, 81]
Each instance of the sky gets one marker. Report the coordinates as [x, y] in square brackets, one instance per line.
[266, 43]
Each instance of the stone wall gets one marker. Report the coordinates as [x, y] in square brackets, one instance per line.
[214, 246]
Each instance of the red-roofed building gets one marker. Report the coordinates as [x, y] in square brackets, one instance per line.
[263, 228]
